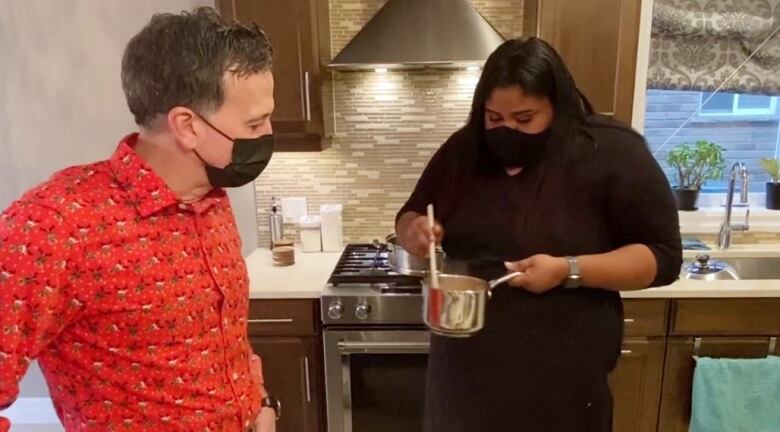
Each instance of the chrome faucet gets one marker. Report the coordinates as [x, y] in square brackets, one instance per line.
[726, 228]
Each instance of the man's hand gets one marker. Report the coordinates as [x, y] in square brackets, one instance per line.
[266, 421]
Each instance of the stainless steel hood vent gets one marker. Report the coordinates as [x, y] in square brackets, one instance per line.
[421, 33]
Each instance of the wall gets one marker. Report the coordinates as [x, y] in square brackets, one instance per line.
[61, 102]
[386, 129]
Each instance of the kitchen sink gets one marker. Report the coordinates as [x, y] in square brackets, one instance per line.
[756, 268]
[750, 268]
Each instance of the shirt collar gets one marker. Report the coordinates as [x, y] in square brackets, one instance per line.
[147, 191]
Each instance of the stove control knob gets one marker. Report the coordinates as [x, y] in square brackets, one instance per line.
[362, 311]
[335, 310]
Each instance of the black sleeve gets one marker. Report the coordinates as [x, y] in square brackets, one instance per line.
[432, 186]
[641, 205]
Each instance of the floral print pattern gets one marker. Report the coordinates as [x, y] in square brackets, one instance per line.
[700, 44]
[134, 304]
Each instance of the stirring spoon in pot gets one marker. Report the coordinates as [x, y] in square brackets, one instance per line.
[432, 250]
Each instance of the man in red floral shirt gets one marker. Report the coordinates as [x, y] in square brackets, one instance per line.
[124, 278]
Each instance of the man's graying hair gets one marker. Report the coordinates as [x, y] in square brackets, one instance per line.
[180, 60]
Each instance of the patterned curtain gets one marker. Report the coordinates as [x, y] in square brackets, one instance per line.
[698, 44]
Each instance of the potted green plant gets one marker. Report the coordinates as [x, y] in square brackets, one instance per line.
[772, 167]
[695, 164]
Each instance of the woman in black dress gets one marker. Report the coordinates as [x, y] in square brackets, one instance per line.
[537, 182]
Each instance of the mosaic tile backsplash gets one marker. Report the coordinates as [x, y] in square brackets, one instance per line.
[385, 129]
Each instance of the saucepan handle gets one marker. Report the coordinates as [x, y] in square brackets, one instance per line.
[496, 282]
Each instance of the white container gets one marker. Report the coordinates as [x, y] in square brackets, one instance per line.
[311, 240]
[332, 227]
[293, 209]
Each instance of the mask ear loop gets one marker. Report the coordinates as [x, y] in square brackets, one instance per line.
[216, 129]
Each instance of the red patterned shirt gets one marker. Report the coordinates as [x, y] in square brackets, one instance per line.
[134, 304]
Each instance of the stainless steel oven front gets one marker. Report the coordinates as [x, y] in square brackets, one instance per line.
[375, 379]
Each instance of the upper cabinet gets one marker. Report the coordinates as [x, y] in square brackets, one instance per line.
[295, 29]
[598, 40]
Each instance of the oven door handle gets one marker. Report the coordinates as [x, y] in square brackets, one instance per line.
[383, 347]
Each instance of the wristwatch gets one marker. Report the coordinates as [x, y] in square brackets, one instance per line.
[573, 279]
[274, 403]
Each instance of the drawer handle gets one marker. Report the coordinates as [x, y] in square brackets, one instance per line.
[308, 380]
[270, 321]
[308, 96]
[628, 320]
[625, 352]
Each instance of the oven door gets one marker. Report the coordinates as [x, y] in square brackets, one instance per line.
[375, 379]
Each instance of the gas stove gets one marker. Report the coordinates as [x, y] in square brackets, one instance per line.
[363, 290]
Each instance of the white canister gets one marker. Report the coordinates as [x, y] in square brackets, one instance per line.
[332, 227]
[311, 240]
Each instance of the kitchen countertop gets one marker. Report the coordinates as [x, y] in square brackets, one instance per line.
[738, 251]
[308, 276]
[304, 279]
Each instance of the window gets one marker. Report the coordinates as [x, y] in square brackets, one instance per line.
[692, 51]
[714, 104]
[673, 117]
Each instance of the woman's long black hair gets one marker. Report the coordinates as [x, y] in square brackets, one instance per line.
[535, 66]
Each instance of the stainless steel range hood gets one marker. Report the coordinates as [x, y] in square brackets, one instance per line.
[418, 33]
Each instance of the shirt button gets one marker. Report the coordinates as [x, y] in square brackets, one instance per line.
[215, 269]
[235, 376]
[182, 206]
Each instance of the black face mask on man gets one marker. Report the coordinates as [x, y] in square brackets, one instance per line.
[249, 159]
[516, 149]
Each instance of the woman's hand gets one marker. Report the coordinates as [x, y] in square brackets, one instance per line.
[414, 235]
[541, 273]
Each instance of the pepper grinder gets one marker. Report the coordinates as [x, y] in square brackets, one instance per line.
[275, 223]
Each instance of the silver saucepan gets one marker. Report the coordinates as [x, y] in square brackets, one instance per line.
[403, 262]
[457, 307]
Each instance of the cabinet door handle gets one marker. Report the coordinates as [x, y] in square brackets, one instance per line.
[625, 352]
[270, 321]
[308, 380]
[628, 320]
[307, 92]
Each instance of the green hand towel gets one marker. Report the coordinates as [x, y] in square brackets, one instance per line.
[736, 395]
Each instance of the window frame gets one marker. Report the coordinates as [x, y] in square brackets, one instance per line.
[735, 110]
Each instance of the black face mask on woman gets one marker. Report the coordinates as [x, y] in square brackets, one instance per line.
[516, 149]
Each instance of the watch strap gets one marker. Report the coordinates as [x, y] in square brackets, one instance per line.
[574, 278]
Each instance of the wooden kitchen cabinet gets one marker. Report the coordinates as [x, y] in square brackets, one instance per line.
[285, 334]
[729, 328]
[675, 413]
[293, 27]
[598, 40]
[636, 385]
[636, 381]
[739, 317]
[645, 317]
